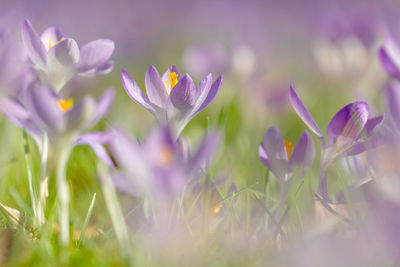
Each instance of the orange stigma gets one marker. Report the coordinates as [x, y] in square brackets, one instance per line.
[166, 156]
[288, 148]
[65, 104]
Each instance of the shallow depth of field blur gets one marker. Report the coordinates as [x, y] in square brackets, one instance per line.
[234, 211]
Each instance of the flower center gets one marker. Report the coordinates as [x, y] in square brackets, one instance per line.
[171, 81]
[217, 209]
[51, 40]
[166, 156]
[65, 104]
[288, 148]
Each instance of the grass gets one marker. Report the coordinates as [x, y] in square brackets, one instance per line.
[233, 236]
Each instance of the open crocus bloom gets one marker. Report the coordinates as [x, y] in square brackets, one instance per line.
[350, 132]
[172, 98]
[61, 120]
[57, 58]
[281, 158]
[158, 167]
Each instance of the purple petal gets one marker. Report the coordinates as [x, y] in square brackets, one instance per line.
[67, 52]
[275, 149]
[204, 152]
[97, 137]
[346, 126]
[211, 94]
[156, 91]
[128, 154]
[124, 184]
[80, 116]
[303, 112]
[393, 102]
[96, 140]
[263, 156]
[159, 141]
[102, 70]
[43, 104]
[103, 105]
[33, 45]
[95, 54]
[183, 94]
[304, 152]
[135, 93]
[364, 146]
[373, 125]
[51, 36]
[389, 56]
[19, 115]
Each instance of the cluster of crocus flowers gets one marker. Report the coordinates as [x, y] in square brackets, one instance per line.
[58, 124]
[57, 58]
[350, 132]
[172, 98]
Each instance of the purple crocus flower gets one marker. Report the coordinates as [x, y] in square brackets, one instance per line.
[284, 161]
[205, 58]
[172, 98]
[61, 119]
[281, 158]
[57, 59]
[158, 167]
[350, 132]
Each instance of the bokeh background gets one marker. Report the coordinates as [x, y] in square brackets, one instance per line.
[326, 49]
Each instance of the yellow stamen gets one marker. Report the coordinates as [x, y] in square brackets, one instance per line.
[51, 39]
[65, 105]
[59, 41]
[288, 148]
[172, 80]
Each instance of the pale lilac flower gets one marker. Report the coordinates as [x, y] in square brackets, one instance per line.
[281, 158]
[172, 98]
[205, 58]
[57, 58]
[61, 119]
[158, 167]
[284, 161]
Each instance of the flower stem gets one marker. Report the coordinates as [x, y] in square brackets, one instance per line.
[63, 195]
[28, 163]
[114, 208]
[43, 192]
